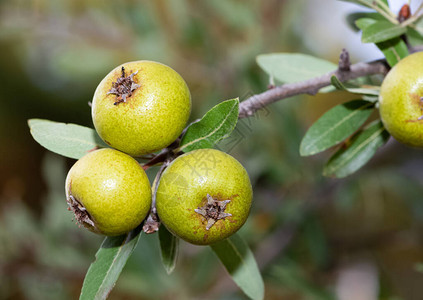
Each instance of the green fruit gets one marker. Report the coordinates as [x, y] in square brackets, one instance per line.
[401, 103]
[141, 107]
[108, 192]
[204, 196]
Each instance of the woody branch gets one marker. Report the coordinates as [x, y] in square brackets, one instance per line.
[345, 72]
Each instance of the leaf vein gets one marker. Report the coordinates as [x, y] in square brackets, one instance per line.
[72, 139]
[239, 255]
[366, 142]
[346, 118]
[112, 263]
[213, 131]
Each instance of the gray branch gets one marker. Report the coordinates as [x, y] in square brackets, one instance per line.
[344, 73]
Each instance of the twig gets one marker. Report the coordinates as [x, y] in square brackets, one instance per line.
[411, 20]
[419, 9]
[152, 223]
[161, 157]
[256, 102]
[382, 9]
[385, 7]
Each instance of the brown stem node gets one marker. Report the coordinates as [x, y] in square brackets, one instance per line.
[344, 61]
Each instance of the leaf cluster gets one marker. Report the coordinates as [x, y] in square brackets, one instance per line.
[345, 128]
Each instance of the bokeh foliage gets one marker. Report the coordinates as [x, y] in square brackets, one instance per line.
[306, 231]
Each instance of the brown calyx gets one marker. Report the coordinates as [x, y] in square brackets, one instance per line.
[81, 214]
[213, 210]
[123, 87]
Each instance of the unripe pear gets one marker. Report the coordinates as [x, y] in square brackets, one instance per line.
[108, 192]
[401, 102]
[141, 107]
[204, 196]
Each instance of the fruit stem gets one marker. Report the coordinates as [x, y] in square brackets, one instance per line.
[152, 223]
[169, 153]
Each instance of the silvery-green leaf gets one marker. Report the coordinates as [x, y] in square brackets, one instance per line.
[69, 140]
[216, 124]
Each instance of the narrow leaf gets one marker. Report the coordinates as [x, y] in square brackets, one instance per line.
[381, 31]
[358, 152]
[361, 91]
[393, 50]
[293, 67]
[335, 126]
[365, 22]
[216, 124]
[110, 260]
[169, 245]
[418, 26]
[353, 18]
[69, 140]
[414, 37]
[241, 265]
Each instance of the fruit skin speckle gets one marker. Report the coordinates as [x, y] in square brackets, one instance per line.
[184, 186]
[400, 104]
[112, 188]
[151, 118]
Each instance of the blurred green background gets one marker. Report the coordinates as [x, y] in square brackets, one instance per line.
[313, 237]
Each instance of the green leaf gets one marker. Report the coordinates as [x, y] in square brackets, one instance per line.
[393, 50]
[365, 22]
[110, 260]
[419, 25]
[169, 245]
[381, 31]
[358, 152]
[293, 67]
[215, 125]
[69, 140]
[353, 18]
[414, 37]
[361, 91]
[239, 261]
[335, 125]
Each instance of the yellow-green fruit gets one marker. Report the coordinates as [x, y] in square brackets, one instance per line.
[401, 103]
[108, 192]
[141, 107]
[204, 196]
